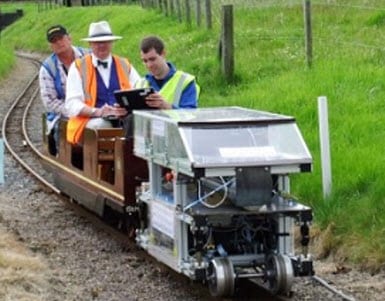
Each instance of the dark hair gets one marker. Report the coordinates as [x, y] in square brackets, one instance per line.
[152, 42]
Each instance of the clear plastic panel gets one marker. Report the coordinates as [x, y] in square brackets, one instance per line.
[219, 137]
[269, 144]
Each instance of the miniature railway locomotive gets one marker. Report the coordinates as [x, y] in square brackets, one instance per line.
[205, 190]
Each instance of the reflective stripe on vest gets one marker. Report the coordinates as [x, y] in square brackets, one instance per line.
[51, 64]
[173, 88]
[87, 71]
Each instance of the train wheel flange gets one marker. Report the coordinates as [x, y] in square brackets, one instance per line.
[221, 277]
[279, 273]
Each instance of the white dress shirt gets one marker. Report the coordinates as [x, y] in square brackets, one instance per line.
[75, 99]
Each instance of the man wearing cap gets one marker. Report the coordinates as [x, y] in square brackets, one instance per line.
[92, 81]
[53, 77]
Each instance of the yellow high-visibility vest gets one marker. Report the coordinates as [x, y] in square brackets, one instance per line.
[173, 88]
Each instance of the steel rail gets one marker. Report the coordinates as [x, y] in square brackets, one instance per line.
[6, 142]
[333, 289]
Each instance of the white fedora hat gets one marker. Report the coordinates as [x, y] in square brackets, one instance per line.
[100, 32]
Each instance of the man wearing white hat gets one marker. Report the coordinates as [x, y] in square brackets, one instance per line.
[92, 81]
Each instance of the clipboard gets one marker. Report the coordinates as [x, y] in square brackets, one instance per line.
[133, 99]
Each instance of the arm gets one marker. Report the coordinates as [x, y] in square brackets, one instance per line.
[189, 97]
[134, 76]
[155, 100]
[48, 93]
[74, 102]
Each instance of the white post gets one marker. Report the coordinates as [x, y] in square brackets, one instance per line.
[1, 161]
[325, 145]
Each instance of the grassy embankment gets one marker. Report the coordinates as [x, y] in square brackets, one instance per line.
[271, 75]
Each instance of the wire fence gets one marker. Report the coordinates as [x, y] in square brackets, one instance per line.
[280, 25]
[277, 26]
[245, 9]
[50, 4]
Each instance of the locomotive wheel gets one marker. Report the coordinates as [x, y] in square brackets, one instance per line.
[221, 277]
[279, 273]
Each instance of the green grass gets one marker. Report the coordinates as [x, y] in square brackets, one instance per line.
[271, 74]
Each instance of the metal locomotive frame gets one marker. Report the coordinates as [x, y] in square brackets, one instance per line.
[206, 191]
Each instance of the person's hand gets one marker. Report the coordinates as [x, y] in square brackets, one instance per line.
[155, 100]
[108, 110]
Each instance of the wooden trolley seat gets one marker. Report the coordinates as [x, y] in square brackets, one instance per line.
[99, 149]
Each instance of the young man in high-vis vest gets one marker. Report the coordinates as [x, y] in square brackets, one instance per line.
[174, 88]
[92, 81]
[53, 78]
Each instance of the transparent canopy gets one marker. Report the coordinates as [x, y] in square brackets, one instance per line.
[219, 137]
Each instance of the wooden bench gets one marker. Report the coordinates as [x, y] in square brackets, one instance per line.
[70, 155]
[99, 152]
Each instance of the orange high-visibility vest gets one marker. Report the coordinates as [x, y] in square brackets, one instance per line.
[87, 70]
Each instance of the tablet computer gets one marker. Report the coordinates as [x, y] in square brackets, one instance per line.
[133, 99]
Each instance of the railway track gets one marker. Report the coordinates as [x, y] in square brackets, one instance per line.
[16, 129]
[27, 152]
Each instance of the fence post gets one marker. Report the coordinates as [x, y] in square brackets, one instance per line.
[188, 11]
[325, 145]
[308, 32]
[227, 42]
[165, 7]
[170, 4]
[1, 161]
[208, 14]
[198, 12]
[178, 10]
